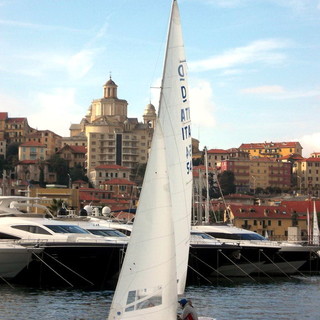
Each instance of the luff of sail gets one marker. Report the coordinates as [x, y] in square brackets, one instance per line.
[146, 286]
[174, 115]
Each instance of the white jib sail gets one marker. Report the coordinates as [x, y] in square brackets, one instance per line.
[174, 115]
[146, 286]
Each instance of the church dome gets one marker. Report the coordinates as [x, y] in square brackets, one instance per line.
[149, 110]
[110, 83]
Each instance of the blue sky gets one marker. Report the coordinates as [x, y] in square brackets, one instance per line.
[253, 64]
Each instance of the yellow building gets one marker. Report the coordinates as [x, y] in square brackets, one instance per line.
[32, 151]
[272, 149]
[307, 173]
[274, 221]
[259, 173]
[69, 196]
[51, 140]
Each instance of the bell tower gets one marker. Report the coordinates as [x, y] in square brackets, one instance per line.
[110, 89]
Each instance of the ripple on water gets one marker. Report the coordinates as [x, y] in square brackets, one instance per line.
[279, 300]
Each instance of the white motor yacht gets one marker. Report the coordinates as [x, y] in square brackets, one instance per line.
[71, 256]
[279, 258]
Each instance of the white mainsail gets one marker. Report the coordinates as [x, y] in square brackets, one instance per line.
[315, 233]
[174, 116]
[146, 286]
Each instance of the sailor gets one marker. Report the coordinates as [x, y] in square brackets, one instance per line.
[188, 311]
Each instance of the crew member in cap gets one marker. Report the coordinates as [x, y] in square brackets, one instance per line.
[188, 311]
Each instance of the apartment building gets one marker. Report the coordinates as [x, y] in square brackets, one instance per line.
[106, 172]
[258, 173]
[14, 130]
[51, 140]
[216, 156]
[271, 149]
[32, 151]
[74, 155]
[273, 221]
[307, 174]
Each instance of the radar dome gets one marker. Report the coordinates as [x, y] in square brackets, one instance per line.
[106, 211]
[88, 209]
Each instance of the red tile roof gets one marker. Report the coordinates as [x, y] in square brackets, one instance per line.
[217, 151]
[312, 160]
[283, 211]
[301, 206]
[87, 197]
[262, 145]
[14, 120]
[292, 156]
[263, 212]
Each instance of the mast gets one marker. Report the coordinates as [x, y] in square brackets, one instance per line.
[207, 186]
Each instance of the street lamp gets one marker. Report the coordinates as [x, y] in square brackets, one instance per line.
[69, 181]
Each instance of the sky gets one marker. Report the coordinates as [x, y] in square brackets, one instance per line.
[253, 64]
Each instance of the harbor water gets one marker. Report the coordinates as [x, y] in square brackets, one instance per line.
[283, 299]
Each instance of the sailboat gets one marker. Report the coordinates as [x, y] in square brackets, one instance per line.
[155, 266]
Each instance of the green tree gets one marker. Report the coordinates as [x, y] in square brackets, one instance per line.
[78, 173]
[60, 167]
[226, 180]
[11, 156]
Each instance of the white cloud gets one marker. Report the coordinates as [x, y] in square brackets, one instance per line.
[264, 51]
[14, 106]
[227, 3]
[310, 143]
[80, 63]
[56, 110]
[202, 105]
[279, 92]
[264, 89]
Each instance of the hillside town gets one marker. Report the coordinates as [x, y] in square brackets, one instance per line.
[266, 187]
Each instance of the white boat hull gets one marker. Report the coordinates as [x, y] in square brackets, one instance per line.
[13, 258]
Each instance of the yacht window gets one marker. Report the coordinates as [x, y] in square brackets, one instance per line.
[66, 229]
[237, 236]
[31, 229]
[125, 231]
[201, 235]
[8, 236]
[106, 233]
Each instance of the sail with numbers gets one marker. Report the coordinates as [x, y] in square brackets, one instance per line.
[174, 116]
[155, 266]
